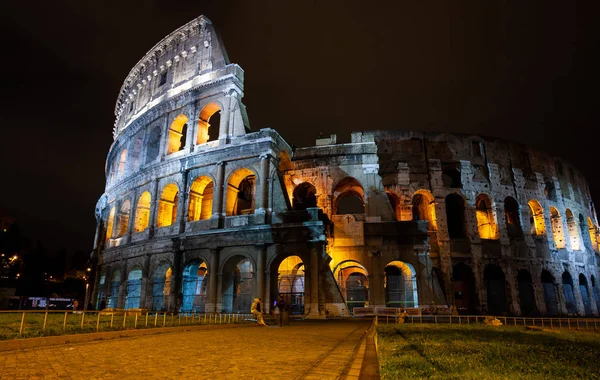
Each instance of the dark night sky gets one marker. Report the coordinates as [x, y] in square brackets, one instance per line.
[519, 71]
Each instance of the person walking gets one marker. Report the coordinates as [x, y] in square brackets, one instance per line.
[255, 309]
[281, 306]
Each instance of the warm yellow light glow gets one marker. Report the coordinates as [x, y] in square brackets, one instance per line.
[240, 192]
[167, 205]
[424, 206]
[177, 134]
[538, 226]
[592, 232]
[201, 197]
[109, 224]
[486, 223]
[123, 219]
[203, 122]
[142, 213]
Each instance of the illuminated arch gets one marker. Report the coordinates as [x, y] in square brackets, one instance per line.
[134, 288]
[161, 288]
[113, 291]
[177, 134]
[353, 280]
[110, 223]
[538, 226]
[573, 232]
[400, 285]
[205, 134]
[557, 228]
[423, 208]
[142, 212]
[167, 205]
[592, 233]
[348, 197]
[240, 192]
[201, 199]
[486, 221]
[194, 286]
[123, 219]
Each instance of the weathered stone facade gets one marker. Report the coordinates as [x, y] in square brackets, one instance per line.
[201, 214]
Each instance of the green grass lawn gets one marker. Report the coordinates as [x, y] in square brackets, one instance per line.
[485, 352]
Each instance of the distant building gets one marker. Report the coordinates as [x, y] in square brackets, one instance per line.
[201, 214]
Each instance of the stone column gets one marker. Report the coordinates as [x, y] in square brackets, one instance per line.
[176, 279]
[314, 284]
[132, 209]
[153, 208]
[219, 300]
[146, 291]
[264, 181]
[184, 199]
[225, 117]
[260, 272]
[218, 192]
[212, 281]
[376, 284]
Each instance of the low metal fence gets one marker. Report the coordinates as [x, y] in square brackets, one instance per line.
[31, 323]
[544, 322]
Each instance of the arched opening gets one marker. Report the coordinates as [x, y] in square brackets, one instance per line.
[463, 287]
[494, 279]
[486, 221]
[567, 282]
[400, 285]
[538, 227]
[153, 145]
[167, 205]
[208, 123]
[238, 285]
[240, 192]
[100, 295]
[592, 233]
[290, 283]
[142, 212]
[110, 223]
[573, 233]
[134, 289]
[423, 208]
[596, 294]
[177, 134]
[135, 155]
[353, 281]
[455, 215]
[123, 219]
[115, 282]
[161, 288]
[585, 294]
[122, 164]
[194, 286]
[201, 199]
[550, 298]
[512, 217]
[557, 228]
[526, 294]
[304, 196]
[349, 197]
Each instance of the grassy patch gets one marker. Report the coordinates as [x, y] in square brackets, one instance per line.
[484, 352]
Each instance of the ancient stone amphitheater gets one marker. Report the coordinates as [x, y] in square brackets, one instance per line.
[202, 214]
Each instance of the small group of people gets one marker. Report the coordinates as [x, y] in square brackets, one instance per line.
[281, 311]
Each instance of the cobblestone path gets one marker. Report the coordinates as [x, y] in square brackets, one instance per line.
[304, 350]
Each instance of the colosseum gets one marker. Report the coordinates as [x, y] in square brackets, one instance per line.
[202, 214]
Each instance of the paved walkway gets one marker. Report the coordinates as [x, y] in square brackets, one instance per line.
[304, 350]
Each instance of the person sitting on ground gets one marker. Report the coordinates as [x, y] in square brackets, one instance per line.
[255, 309]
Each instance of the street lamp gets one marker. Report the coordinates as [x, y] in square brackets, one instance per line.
[85, 304]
